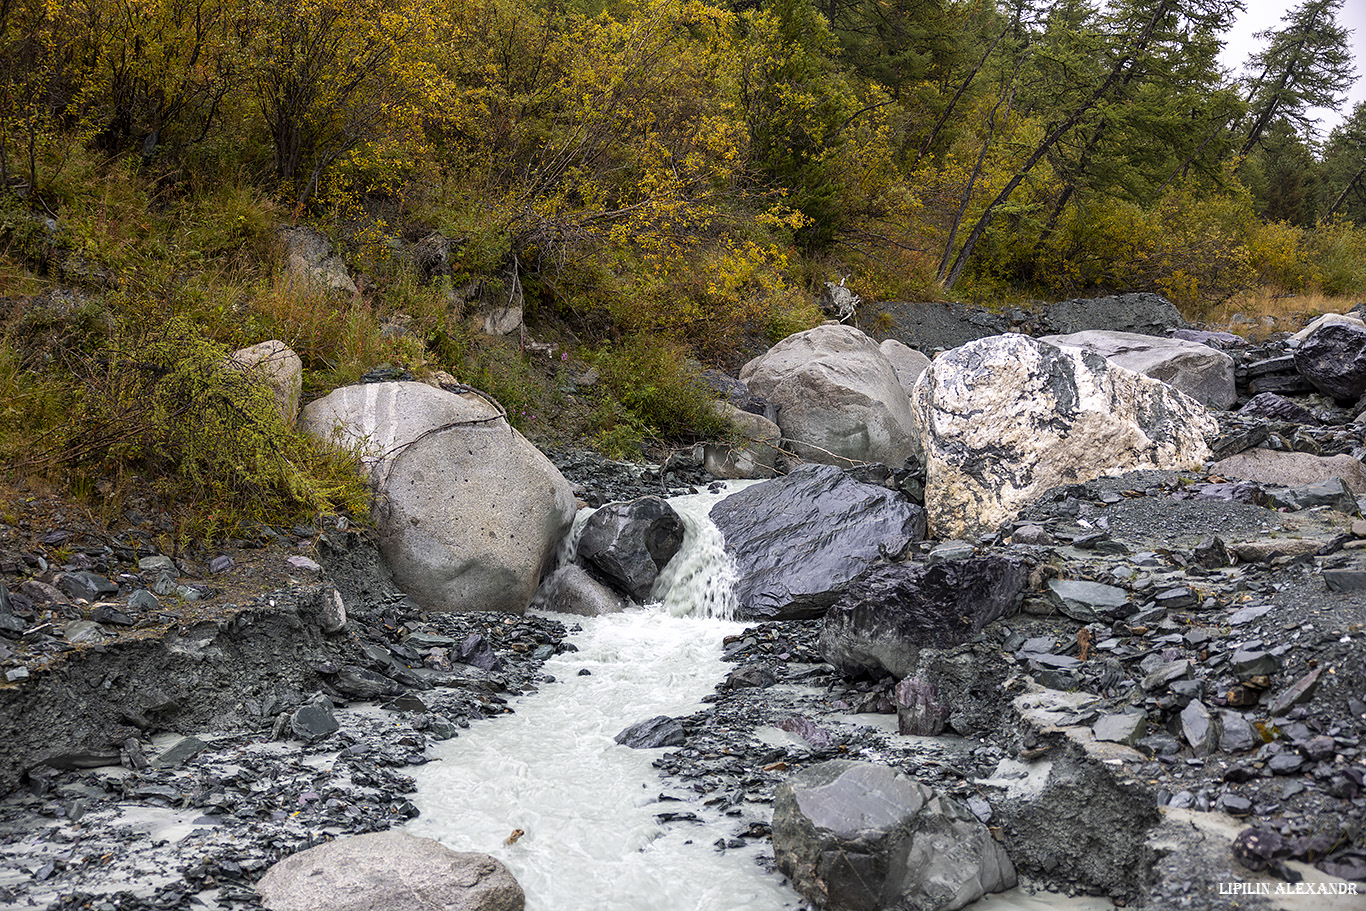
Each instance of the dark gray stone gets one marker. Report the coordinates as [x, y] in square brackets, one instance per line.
[10, 625]
[919, 710]
[1084, 601]
[1299, 692]
[313, 722]
[1345, 580]
[1198, 727]
[1276, 408]
[1145, 314]
[627, 544]
[85, 584]
[891, 612]
[659, 731]
[143, 600]
[1331, 492]
[1334, 360]
[1122, 727]
[181, 752]
[1236, 733]
[856, 836]
[1253, 663]
[476, 652]
[800, 540]
[359, 683]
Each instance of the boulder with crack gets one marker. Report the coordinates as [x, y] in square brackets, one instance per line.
[839, 398]
[1008, 417]
[856, 836]
[799, 540]
[469, 513]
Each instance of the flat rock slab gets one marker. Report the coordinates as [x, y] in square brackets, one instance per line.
[1292, 469]
[1201, 372]
[390, 870]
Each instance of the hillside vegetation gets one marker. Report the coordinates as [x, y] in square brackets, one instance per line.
[659, 183]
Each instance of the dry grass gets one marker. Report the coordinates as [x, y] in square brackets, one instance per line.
[1258, 313]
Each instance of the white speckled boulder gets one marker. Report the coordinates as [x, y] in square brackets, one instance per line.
[469, 513]
[1007, 417]
[391, 870]
[840, 399]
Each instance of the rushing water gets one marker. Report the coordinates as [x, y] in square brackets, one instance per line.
[588, 808]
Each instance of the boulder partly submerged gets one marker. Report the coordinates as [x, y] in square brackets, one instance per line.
[1006, 418]
[469, 512]
[799, 540]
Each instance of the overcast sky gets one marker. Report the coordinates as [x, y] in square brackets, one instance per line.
[1264, 14]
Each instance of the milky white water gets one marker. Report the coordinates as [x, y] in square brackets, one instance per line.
[588, 806]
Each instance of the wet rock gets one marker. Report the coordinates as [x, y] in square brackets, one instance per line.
[390, 870]
[1007, 418]
[816, 736]
[881, 622]
[476, 651]
[856, 836]
[839, 398]
[659, 731]
[1201, 372]
[1087, 602]
[571, 590]
[799, 540]
[359, 683]
[629, 543]
[313, 721]
[1333, 358]
[753, 676]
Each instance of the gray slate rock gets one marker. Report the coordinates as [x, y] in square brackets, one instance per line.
[391, 870]
[800, 540]
[1276, 408]
[1236, 734]
[857, 836]
[1334, 360]
[880, 624]
[629, 543]
[1122, 727]
[571, 590]
[1199, 728]
[1331, 492]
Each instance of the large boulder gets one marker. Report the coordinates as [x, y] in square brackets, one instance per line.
[799, 540]
[282, 371]
[391, 870]
[1333, 358]
[1292, 469]
[883, 620]
[627, 544]
[1201, 372]
[1147, 314]
[859, 836]
[469, 513]
[1008, 417]
[839, 398]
